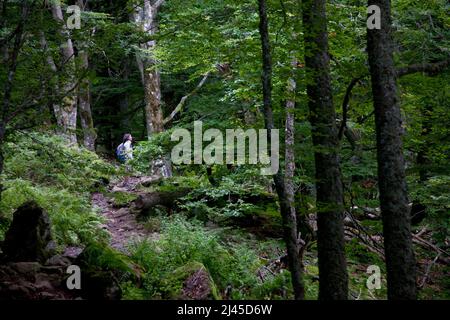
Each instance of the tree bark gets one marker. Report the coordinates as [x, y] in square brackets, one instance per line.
[283, 186]
[333, 276]
[124, 103]
[400, 259]
[146, 17]
[84, 95]
[148, 201]
[84, 103]
[66, 113]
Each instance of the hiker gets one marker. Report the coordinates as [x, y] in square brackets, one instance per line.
[125, 150]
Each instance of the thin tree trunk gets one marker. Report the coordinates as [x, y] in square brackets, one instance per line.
[84, 103]
[124, 103]
[66, 114]
[423, 160]
[146, 17]
[283, 185]
[84, 94]
[333, 276]
[400, 259]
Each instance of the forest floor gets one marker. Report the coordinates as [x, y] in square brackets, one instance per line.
[121, 223]
[127, 227]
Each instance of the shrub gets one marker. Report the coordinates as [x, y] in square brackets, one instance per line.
[182, 243]
[73, 220]
[47, 161]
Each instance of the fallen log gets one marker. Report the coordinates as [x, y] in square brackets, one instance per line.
[147, 201]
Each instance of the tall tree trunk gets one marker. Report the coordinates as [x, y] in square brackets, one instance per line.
[66, 113]
[124, 103]
[283, 185]
[84, 94]
[146, 17]
[84, 104]
[333, 276]
[400, 259]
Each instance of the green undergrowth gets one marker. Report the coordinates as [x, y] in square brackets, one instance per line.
[182, 242]
[41, 167]
[122, 199]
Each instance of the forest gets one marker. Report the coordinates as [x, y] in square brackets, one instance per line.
[224, 150]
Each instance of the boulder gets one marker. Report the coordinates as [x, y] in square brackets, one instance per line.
[29, 237]
[100, 285]
[191, 282]
[101, 267]
[32, 281]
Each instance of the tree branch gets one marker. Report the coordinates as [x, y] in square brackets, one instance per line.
[182, 102]
[158, 4]
[429, 68]
[345, 106]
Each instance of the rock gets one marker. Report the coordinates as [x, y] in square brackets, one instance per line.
[72, 252]
[119, 189]
[198, 286]
[32, 281]
[191, 282]
[100, 285]
[100, 267]
[29, 237]
[26, 268]
[58, 260]
[149, 181]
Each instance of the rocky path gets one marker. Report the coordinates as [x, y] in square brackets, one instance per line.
[121, 223]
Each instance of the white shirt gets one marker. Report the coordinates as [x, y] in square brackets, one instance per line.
[128, 149]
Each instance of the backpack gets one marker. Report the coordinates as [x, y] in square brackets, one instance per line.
[120, 153]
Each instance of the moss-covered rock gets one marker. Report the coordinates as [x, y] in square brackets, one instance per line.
[191, 282]
[29, 237]
[102, 267]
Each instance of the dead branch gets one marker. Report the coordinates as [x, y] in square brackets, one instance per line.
[182, 102]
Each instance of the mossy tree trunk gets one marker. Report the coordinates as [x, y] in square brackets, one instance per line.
[330, 234]
[66, 110]
[400, 259]
[145, 16]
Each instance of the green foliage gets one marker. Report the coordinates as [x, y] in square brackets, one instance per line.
[189, 180]
[173, 284]
[153, 224]
[99, 256]
[122, 199]
[435, 195]
[73, 220]
[196, 37]
[145, 152]
[357, 252]
[131, 292]
[275, 287]
[47, 161]
[225, 200]
[42, 168]
[182, 243]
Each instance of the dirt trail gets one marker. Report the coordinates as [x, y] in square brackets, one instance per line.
[121, 223]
